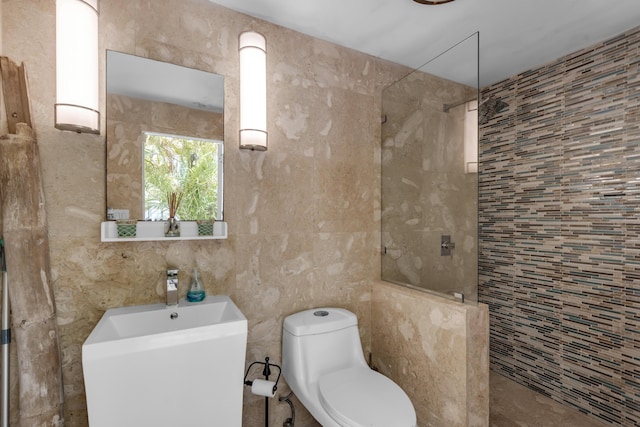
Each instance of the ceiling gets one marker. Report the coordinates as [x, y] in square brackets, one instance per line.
[515, 35]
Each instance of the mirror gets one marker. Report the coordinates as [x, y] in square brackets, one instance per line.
[149, 102]
[429, 175]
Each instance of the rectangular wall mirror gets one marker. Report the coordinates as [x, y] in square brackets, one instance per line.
[164, 134]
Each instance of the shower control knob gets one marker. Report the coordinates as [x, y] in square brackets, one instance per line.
[446, 245]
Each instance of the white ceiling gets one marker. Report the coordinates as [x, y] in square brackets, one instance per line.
[515, 35]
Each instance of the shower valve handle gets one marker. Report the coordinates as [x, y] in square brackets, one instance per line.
[446, 245]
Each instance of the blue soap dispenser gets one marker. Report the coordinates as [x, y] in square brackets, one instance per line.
[196, 291]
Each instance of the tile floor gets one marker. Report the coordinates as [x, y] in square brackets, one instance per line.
[513, 405]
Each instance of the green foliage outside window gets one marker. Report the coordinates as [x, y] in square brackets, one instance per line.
[180, 165]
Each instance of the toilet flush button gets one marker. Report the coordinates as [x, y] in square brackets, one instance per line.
[321, 313]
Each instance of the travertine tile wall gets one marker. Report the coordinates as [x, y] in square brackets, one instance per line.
[303, 217]
[425, 190]
[560, 229]
[438, 350]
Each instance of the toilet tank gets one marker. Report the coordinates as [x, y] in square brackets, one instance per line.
[319, 341]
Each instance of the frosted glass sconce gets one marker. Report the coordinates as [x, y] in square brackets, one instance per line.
[253, 91]
[77, 96]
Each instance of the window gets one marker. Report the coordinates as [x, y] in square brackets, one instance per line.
[184, 165]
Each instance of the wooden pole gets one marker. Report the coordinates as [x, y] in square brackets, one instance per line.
[33, 313]
[16, 97]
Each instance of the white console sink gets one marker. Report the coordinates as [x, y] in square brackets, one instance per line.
[166, 366]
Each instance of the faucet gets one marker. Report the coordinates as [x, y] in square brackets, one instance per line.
[172, 287]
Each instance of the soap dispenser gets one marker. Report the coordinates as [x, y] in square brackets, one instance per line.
[196, 291]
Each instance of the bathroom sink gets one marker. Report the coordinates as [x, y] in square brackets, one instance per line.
[215, 313]
[192, 354]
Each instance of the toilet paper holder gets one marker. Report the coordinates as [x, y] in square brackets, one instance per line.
[266, 372]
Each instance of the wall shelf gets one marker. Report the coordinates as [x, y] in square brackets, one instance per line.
[147, 231]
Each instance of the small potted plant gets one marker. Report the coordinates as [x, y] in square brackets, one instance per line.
[173, 200]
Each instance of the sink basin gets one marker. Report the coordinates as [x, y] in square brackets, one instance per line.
[158, 320]
[137, 359]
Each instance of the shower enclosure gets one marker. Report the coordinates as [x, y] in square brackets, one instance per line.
[429, 175]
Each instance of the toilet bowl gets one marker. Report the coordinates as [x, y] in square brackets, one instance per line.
[323, 363]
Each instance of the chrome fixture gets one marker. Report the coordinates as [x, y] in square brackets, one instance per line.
[489, 108]
[459, 296]
[446, 245]
[432, 2]
[172, 287]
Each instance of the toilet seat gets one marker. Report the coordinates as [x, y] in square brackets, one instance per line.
[361, 397]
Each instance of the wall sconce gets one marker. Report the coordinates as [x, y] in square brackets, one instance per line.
[76, 107]
[253, 91]
[471, 137]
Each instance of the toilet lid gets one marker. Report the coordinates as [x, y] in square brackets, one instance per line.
[361, 397]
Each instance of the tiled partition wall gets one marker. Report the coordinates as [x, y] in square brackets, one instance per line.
[560, 229]
[437, 350]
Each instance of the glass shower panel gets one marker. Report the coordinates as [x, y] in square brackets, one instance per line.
[429, 175]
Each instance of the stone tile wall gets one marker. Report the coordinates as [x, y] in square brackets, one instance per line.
[437, 350]
[559, 229]
[303, 217]
[425, 190]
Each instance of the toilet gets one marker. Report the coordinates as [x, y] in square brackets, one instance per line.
[323, 363]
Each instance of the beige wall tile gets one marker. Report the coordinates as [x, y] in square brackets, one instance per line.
[303, 217]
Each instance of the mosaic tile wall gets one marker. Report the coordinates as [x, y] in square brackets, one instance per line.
[560, 229]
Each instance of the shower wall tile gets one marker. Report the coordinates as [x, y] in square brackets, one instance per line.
[565, 308]
[426, 190]
[594, 232]
[631, 273]
[536, 226]
[496, 224]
